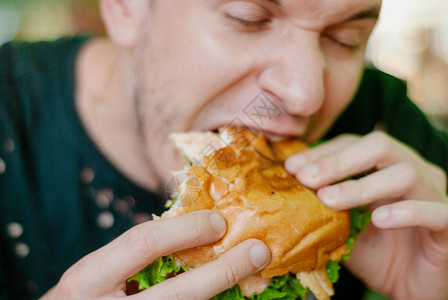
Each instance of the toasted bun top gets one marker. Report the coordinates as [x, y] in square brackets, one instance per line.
[246, 183]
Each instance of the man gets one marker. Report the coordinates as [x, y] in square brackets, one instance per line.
[173, 66]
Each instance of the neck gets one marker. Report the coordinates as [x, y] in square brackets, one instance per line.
[105, 104]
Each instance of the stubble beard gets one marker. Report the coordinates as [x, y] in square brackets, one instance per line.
[154, 111]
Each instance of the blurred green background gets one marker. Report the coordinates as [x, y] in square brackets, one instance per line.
[48, 19]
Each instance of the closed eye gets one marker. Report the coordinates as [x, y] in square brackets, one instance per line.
[246, 16]
[247, 23]
[352, 47]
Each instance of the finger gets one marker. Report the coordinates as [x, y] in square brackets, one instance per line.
[391, 183]
[138, 247]
[374, 151]
[414, 213]
[295, 162]
[210, 279]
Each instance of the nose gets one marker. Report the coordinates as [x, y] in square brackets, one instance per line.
[294, 70]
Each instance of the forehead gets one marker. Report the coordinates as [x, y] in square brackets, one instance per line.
[326, 10]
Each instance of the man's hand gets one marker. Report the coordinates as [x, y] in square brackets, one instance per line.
[103, 273]
[404, 253]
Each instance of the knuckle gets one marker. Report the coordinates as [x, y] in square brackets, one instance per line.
[445, 214]
[142, 239]
[349, 137]
[440, 177]
[230, 274]
[381, 141]
[411, 212]
[362, 189]
[178, 293]
[331, 165]
[307, 154]
[409, 174]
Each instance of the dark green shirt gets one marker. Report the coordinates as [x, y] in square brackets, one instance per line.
[61, 199]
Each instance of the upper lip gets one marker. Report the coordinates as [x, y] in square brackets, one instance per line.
[265, 130]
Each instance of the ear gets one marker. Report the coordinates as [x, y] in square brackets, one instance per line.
[123, 19]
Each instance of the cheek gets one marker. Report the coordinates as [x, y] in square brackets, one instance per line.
[179, 74]
[339, 91]
[192, 65]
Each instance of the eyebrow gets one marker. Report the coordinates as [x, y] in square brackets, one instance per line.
[370, 13]
[276, 2]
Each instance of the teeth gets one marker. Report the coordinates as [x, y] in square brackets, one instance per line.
[255, 131]
[275, 138]
[272, 137]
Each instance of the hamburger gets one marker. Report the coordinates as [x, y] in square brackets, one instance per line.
[239, 174]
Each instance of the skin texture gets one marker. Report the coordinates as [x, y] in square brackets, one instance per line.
[196, 65]
[186, 66]
[404, 252]
[139, 246]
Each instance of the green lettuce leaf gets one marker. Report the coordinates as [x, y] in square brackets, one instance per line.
[282, 287]
[333, 268]
[142, 279]
[359, 217]
[157, 272]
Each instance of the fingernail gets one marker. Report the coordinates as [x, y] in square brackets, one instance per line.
[381, 214]
[218, 223]
[332, 191]
[259, 255]
[294, 163]
[311, 170]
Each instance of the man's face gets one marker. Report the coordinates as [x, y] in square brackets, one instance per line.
[286, 67]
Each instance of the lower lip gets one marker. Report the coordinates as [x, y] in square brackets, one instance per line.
[271, 136]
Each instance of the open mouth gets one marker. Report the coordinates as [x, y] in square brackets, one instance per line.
[275, 137]
[271, 136]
